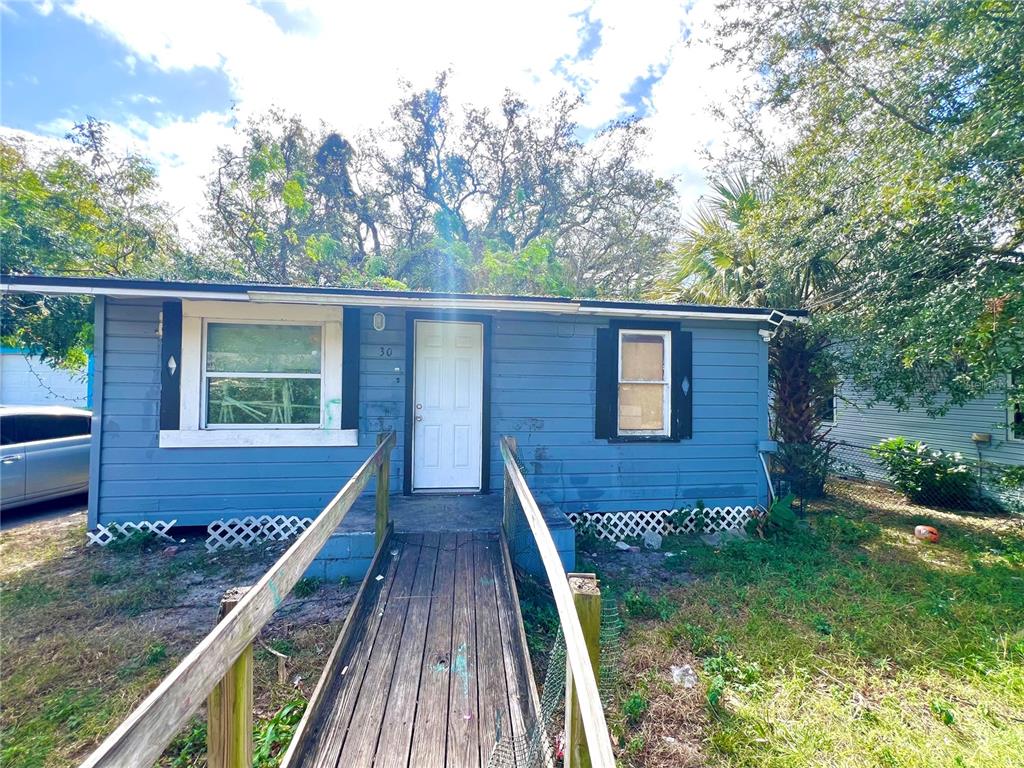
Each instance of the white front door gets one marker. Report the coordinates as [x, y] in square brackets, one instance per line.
[448, 408]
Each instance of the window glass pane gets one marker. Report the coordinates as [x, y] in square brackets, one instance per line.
[8, 431]
[254, 348]
[262, 401]
[642, 406]
[643, 357]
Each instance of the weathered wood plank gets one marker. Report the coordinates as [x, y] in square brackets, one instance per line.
[361, 741]
[399, 712]
[355, 621]
[142, 737]
[594, 726]
[430, 730]
[463, 737]
[493, 698]
[338, 714]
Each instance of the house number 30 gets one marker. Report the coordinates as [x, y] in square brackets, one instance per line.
[385, 352]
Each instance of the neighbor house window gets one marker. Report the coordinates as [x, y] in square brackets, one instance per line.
[263, 375]
[1016, 414]
[827, 411]
[644, 382]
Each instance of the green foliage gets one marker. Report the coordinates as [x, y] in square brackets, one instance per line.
[83, 211]
[843, 531]
[635, 707]
[640, 605]
[779, 521]
[188, 750]
[928, 476]
[306, 587]
[272, 737]
[728, 670]
[902, 180]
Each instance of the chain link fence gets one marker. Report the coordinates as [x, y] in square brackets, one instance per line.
[926, 476]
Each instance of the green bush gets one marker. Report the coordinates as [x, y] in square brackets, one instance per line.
[929, 477]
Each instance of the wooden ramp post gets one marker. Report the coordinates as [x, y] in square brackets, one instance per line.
[586, 595]
[383, 488]
[229, 706]
[508, 498]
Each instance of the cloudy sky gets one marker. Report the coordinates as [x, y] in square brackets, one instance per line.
[174, 77]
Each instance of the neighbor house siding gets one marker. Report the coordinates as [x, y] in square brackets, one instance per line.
[542, 392]
[861, 425]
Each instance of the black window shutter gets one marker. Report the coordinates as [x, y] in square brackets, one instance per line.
[170, 366]
[682, 385]
[605, 383]
[350, 353]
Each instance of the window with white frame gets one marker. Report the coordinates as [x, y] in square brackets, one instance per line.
[259, 374]
[1016, 413]
[644, 382]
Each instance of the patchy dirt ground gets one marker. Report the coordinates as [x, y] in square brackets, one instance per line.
[86, 633]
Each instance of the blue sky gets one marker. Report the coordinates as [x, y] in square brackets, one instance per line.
[174, 79]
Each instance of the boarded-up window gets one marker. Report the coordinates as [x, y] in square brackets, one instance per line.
[644, 386]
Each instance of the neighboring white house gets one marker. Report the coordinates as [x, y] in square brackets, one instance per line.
[855, 423]
[27, 380]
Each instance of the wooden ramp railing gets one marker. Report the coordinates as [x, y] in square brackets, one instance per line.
[220, 658]
[592, 746]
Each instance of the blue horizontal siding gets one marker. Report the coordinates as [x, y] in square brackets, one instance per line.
[542, 393]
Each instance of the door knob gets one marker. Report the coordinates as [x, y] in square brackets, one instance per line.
[418, 406]
[418, 417]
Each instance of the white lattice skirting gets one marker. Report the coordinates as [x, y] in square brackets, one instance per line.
[245, 531]
[104, 534]
[615, 526]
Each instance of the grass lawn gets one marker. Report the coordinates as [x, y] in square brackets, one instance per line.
[86, 633]
[850, 644]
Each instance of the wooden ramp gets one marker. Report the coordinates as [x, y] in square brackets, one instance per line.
[431, 668]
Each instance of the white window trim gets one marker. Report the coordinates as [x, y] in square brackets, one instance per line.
[666, 382]
[191, 434]
[1009, 414]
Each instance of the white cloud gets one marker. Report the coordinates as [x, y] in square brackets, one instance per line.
[342, 63]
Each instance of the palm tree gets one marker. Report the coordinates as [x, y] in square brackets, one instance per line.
[715, 264]
[719, 262]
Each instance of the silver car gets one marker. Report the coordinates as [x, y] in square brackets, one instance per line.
[44, 453]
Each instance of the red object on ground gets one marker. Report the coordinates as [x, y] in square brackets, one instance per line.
[926, 532]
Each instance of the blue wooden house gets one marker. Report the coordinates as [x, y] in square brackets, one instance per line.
[220, 401]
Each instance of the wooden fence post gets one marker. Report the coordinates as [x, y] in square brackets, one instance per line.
[229, 706]
[586, 594]
[509, 495]
[383, 488]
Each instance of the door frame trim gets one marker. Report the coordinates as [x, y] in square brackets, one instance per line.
[449, 316]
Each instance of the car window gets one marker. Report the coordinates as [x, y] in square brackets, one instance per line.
[31, 427]
[8, 433]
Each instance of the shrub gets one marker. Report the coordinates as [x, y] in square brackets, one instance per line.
[926, 476]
